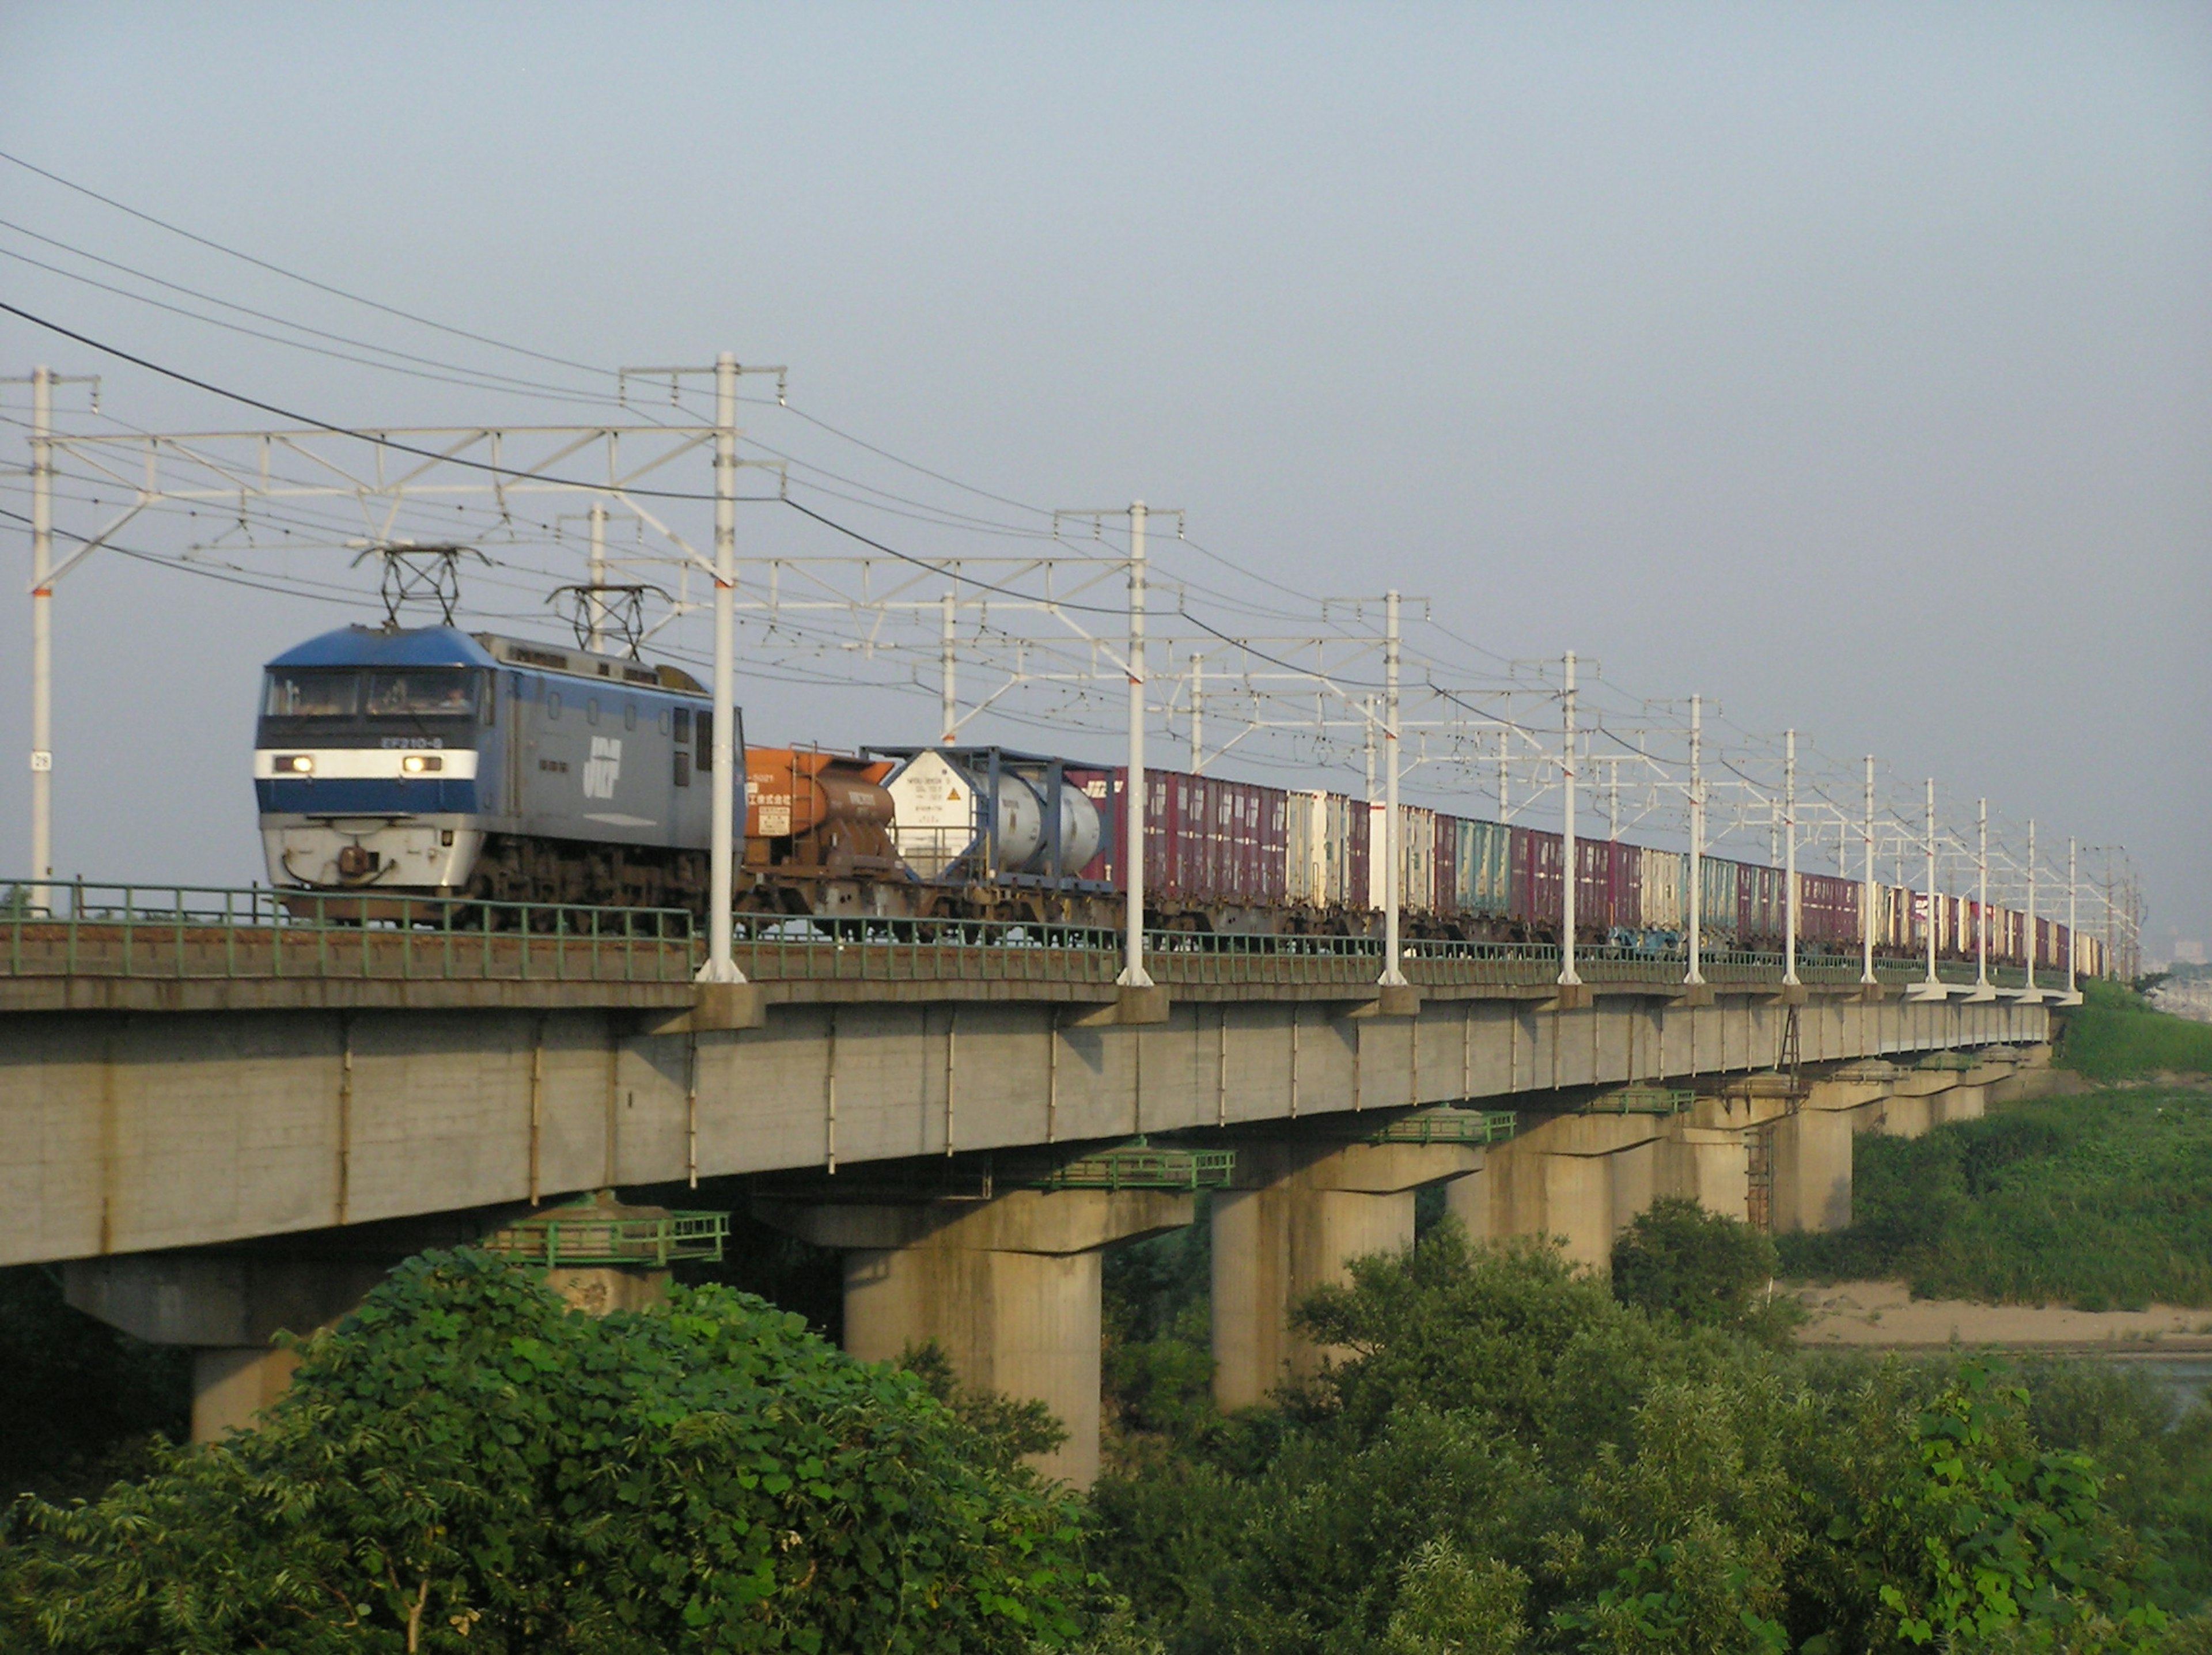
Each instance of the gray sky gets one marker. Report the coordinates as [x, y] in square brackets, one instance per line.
[1850, 364]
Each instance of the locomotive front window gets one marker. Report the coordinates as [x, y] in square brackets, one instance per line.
[433, 693]
[312, 695]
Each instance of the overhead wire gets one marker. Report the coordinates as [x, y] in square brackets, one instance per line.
[291, 275]
[484, 379]
[479, 379]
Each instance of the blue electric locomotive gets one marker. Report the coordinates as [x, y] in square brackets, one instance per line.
[434, 762]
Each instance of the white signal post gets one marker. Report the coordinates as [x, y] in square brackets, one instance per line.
[1789, 859]
[1930, 926]
[1197, 713]
[1870, 893]
[1982, 906]
[1392, 977]
[1696, 837]
[729, 781]
[42, 381]
[1567, 978]
[42, 640]
[1133, 975]
[597, 613]
[2030, 950]
[2073, 947]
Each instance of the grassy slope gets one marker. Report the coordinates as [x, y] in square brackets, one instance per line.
[2098, 1201]
[2101, 1201]
[2115, 1034]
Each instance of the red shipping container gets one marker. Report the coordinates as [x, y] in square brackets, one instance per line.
[1534, 902]
[1827, 909]
[1359, 896]
[1624, 886]
[1207, 841]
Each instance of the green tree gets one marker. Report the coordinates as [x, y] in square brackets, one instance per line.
[465, 1464]
[1677, 1259]
[1505, 1456]
[1449, 1325]
[1450, 1604]
[1984, 1529]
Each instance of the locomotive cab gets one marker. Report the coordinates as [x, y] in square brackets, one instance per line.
[367, 758]
[430, 762]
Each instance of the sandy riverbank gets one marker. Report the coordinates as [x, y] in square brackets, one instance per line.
[1879, 1315]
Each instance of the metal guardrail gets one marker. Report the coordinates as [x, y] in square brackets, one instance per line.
[173, 932]
[1449, 1125]
[1957, 1062]
[177, 933]
[575, 1238]
[1642, 1100]
[1144, 1166]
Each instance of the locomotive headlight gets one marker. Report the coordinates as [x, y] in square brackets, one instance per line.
[295, 763]
[417, 764]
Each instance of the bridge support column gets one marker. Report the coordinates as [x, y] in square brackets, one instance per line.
[1708, 1165]
[1008, 1288]
[1812, 1152]
[1576, 1176]
[1916, 1100]
[228, 1307]
[2033, 1076]
[1298, 1216]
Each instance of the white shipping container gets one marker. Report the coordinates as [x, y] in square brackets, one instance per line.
[1665, 876]
[1306, 879]
[1319, 846]
[1417, 860]
[1346, 817]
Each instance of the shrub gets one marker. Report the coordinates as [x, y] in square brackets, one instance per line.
[2098, 1200]
[466, 1465]
[1676, 1259]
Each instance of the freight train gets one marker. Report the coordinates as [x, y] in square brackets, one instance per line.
[392, 763]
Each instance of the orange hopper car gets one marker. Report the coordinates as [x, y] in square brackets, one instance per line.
[816, 815]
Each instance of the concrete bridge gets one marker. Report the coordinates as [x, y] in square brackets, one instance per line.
[221, 1127]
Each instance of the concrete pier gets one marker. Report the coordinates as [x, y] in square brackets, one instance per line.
[1576, 1176]
[228, 1307]
[1297, 1216]
[1008, 1287]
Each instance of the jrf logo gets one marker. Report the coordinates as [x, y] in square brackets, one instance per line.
[602, 767]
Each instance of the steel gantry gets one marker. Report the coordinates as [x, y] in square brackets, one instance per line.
[1032, 628]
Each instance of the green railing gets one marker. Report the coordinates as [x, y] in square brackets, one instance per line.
[1449, 1125]
[172, 932]
[1141, 1166]
[575, 1238]
[1641, 1100]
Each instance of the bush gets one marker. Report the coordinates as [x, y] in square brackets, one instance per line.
[1450, 1326]
[1676, 1259]
[1507, 1458]
[466, 1465]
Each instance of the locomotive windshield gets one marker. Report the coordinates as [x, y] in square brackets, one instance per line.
[432, 694]
[310, 694]
[407, 697]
